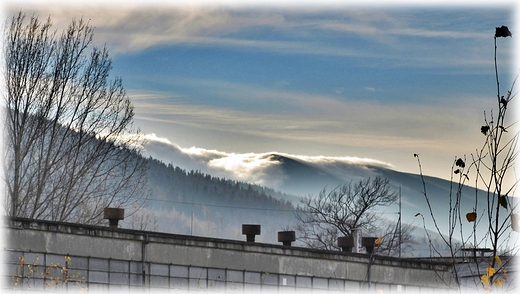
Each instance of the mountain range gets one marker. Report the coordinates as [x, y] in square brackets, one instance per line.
[279, 180]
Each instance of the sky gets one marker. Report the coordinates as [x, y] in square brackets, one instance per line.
[367, 82]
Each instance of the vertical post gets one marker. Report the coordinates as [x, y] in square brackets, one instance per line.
[191, 226]
[355, 249]
[400, 230]
[369, 272]
[143, 260]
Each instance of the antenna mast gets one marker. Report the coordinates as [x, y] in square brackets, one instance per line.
[399, 221]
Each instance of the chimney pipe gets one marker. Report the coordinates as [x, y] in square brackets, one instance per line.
[369, 243]
[346, 243]
[250, 231]
[286, 237]
[114, 215]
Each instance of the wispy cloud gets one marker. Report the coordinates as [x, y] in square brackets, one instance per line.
[137, 30]
[390, 90]
[325, 120]
[258, 168]
[291, 31]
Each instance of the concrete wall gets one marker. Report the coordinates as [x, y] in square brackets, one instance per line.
[290, 266]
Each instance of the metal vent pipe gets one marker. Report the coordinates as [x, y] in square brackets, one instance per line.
[251, 231]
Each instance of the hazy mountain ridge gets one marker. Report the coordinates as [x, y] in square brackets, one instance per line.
[212, 193]
[169, 183]
[220, 205]
[410, 187]
[192, 202]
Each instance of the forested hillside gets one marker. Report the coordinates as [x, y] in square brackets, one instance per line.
[174, 184]
[189, 202]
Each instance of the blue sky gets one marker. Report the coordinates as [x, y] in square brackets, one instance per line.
[362, 81]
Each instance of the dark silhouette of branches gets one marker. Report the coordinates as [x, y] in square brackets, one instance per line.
[491, 167]
[324, 218]
[70, 146]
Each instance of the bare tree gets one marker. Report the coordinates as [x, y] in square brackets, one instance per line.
[70, 148]
[395, 241]
[143, 219]
[346, 208]
[488, 227]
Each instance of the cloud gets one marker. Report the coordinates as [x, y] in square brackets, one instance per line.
[257, 168]
[189, 158]
[250, 167]
[247, 167]
[309, 30]
[319, 119]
